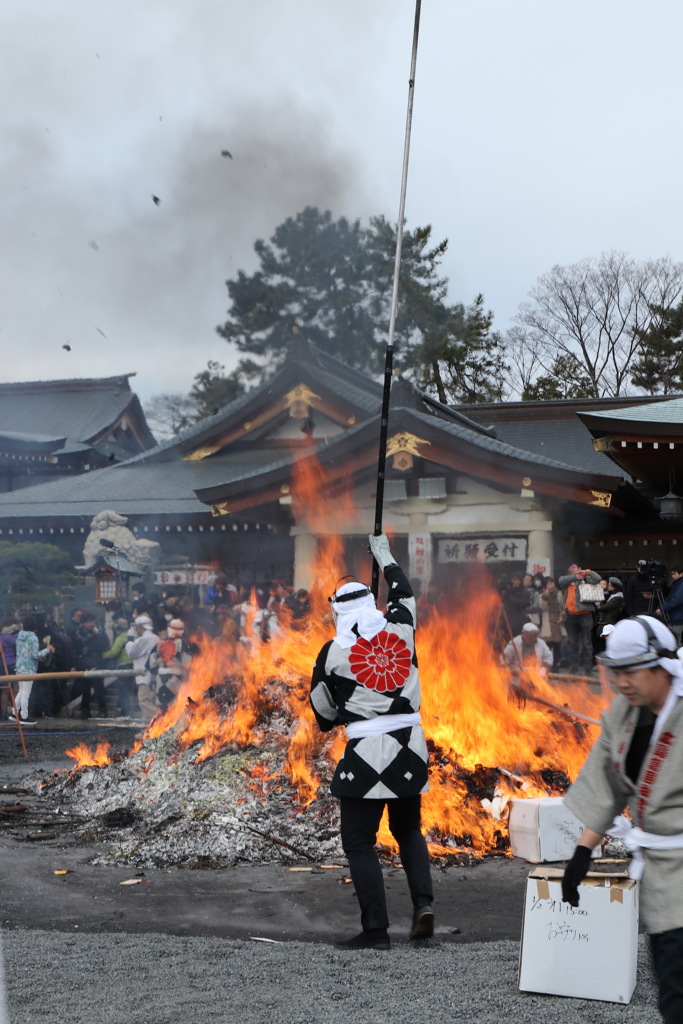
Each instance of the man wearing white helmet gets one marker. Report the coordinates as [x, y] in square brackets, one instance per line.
[366, 679]
[171, 660]
[638, 761]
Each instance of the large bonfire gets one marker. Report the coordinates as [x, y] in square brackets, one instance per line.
[237, 770]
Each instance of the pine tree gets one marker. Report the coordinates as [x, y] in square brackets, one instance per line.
[659, 367]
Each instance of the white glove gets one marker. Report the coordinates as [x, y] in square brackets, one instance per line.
[381, 551]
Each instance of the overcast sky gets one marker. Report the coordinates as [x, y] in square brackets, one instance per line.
[543, 132]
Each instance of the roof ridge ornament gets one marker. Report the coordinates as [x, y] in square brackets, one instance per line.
[405, 442]
[299, 400]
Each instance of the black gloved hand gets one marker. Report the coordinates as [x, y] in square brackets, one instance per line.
[574, 874]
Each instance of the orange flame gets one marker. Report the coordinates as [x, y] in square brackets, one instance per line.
[87, 758]
[470, 715]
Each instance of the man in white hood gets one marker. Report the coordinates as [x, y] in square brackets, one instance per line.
[638, 760]
[366, 679]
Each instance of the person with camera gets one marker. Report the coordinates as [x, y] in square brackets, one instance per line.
[579, 617]
[643, 588]
[672, 609]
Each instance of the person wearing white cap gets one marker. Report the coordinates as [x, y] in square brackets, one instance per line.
[366, 679]
[143, 642]
[171, 660]
[638, 761]
[528, 651]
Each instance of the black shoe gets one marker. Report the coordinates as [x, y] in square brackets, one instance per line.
[24, 720]
[423, 923]
[366, 940]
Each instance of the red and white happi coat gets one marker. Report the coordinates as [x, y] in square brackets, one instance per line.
[370, 679]
[602, 790]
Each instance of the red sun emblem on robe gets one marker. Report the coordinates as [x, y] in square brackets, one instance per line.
[382, 663]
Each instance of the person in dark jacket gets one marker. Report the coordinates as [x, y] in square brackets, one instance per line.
[608, 613]
[90, 643]
[516, 601]
[640, 593]
[8, 649]
[49, 695]
[672, 609]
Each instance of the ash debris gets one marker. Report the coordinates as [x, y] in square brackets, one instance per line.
[159, 807]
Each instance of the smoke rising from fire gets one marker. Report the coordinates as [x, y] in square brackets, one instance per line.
[116, 106]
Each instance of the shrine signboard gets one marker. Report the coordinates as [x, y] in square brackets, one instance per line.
[484, 550]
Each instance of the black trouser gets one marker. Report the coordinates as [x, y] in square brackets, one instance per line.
[127, 694]
[579, 639]
[667, 953]
[359, 823]
[96, 685]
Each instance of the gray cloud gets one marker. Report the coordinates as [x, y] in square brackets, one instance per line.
[541, 135]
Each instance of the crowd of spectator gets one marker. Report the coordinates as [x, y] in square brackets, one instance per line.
[150, 641]
[567, 625]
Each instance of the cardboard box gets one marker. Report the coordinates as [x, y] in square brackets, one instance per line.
[589, 951]
[542, 829]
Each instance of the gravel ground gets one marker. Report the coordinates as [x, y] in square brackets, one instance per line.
[55, 978]
[100, 977]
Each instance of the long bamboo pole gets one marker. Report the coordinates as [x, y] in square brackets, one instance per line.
[389, 359]
[89, 673]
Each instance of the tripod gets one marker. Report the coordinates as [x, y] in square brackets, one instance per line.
[657, 601]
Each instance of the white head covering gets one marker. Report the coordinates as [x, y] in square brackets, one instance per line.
[630, 646]
[630, 640]
[607, 629]
[144, 620]
[176, 628]
[359, 612]
[529, 627]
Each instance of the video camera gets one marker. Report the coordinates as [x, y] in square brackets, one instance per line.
[655, 572]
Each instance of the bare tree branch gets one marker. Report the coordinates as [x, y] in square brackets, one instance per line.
[595, 311]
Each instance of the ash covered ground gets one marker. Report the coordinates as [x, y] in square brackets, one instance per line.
[160, 807]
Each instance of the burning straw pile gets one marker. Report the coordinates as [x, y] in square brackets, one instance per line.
[236, 771]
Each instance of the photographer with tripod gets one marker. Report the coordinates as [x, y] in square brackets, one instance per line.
[644, 594]
[672, 609]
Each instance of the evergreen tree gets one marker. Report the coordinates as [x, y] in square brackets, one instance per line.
[567, 379]
[331, 281]
[32, 575]
[458, 357]
[313, 280]
[213, 388]
[659, 367]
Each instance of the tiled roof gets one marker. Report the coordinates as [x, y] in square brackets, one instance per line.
[80, 409]
[451, 430]
[566, 441]
[670, 411]
[132, 488]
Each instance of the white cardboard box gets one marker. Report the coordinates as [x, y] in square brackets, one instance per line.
[542, 829]
[589, 951]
